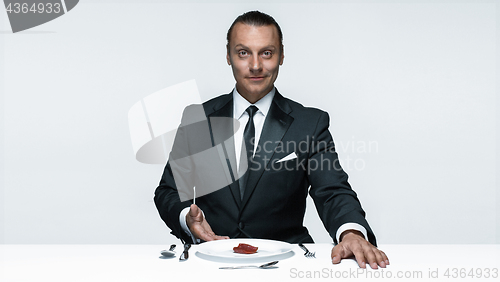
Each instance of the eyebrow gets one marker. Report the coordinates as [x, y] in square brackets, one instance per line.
[264, 48]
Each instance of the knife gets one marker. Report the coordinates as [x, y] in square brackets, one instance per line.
[185, 255]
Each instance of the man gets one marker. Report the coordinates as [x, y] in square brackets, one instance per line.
[268, 200]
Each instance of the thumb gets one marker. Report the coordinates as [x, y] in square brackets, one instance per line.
[195, 212]
[338, 253]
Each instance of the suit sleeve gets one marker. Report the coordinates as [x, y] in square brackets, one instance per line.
[169, 205]
[333, 197]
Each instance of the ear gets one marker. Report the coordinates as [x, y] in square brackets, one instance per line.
[282, 57]
[227, 55]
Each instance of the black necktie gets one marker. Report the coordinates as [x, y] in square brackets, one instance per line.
[248, 136]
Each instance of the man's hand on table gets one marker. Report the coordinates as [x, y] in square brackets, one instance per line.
[199, 227]
[353, 243]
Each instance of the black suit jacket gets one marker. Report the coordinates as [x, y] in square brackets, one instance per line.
[274, 201]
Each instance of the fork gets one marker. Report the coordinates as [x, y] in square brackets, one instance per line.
[308, 254]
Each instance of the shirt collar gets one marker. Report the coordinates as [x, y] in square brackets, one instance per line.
[241, 104]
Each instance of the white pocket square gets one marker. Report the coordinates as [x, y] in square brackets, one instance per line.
[289, 157]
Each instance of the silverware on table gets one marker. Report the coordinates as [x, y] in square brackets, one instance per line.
[308, 254]
[264, 266]
[170, 252]
[185, 255]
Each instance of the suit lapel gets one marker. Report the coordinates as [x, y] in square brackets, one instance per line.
[222, 131]
[275, 126]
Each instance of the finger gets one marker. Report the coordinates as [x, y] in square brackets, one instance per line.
[386, 259]
[205, 235]
[360, 256]
[208, 229]
[379, 258]
[374, 256]
[370, 257]
[213, 236]
[210, 234]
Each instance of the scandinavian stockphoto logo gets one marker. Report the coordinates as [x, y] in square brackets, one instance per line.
[171, 124]
[25, 14]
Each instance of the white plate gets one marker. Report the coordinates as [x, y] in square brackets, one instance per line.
[222, 250]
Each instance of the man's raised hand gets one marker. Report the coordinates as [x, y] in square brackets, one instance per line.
[199, 227]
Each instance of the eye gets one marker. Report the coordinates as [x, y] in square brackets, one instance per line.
[267, 54]
[242, 53]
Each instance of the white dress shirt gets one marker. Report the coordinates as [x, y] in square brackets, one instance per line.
[240, 105]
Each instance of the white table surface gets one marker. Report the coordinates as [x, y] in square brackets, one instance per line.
[144, 263]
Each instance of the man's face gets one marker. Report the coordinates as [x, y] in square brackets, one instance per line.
[255, 54]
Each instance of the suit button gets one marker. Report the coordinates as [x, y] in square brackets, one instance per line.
[241, 225]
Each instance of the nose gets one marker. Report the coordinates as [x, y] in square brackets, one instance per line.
[255, 64]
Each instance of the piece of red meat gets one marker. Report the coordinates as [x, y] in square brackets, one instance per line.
[245, 249]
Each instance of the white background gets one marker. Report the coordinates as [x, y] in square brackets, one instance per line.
[409, 86]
